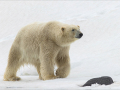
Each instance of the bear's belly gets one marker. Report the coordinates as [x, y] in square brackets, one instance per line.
[30, 55]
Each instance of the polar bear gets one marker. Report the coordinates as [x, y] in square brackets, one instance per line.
[42, 45]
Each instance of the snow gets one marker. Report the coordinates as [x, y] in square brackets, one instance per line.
[96, 54]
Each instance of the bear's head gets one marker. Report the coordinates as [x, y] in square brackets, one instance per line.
[70, 33]
[62, 34]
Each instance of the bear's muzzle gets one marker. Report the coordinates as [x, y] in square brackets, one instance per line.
[80, 35]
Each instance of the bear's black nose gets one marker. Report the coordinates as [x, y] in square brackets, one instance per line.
[80, 35]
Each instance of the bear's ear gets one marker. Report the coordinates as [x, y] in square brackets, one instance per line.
[78, 25]
[62, 28]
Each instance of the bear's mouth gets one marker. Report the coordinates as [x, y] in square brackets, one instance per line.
[79, 36]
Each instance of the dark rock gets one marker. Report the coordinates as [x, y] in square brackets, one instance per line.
[106, 80]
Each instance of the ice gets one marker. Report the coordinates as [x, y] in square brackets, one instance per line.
[96, 54]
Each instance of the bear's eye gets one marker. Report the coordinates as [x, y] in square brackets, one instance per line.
[73, 30]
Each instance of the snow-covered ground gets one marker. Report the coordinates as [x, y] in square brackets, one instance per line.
[96, 54]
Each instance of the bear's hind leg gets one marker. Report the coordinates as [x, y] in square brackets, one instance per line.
[10, 73]
[13, 66]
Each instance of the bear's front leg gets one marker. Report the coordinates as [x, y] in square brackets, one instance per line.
[63, 72]
[47, 72]
[63, 63]
[47, 60]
